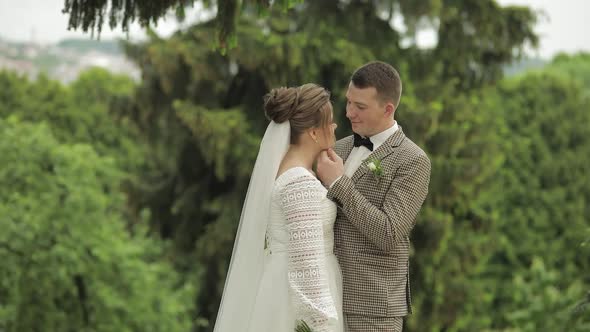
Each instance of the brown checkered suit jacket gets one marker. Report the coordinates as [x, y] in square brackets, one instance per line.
[375, 218]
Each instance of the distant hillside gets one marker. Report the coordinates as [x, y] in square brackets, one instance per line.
[65, 60]
[524, 65]
[87, 45]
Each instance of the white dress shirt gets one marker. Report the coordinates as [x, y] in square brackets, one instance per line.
[360, 153]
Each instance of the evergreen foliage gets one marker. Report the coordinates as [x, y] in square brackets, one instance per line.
[120, 201]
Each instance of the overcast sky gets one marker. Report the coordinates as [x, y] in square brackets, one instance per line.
[566, 26]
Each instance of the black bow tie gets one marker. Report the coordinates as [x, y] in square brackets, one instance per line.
[358, 141]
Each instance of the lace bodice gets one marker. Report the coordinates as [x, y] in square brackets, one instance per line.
[301, 227]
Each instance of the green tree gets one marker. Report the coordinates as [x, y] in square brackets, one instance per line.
[92, 15]
[78, 113]
[201, 114]
[81, 113]
[513, 23]
[576, 67]
[68, 262]
[537, 266]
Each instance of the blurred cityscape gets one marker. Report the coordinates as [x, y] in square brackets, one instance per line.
[64, 60]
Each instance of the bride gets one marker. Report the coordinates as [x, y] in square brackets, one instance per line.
[283, 270]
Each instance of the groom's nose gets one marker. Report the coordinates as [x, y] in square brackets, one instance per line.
[349, 112]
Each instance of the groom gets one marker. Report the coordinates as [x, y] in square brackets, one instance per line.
[379, 179]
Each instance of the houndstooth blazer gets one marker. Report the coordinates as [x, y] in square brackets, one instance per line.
[374, 221]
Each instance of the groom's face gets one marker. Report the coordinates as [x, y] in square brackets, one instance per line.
[366, 113]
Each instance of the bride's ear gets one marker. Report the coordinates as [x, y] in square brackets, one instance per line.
[313, 133]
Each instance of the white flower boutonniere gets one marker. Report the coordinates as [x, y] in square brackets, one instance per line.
[374, 166]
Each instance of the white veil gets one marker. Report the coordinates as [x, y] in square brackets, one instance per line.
[245, 268]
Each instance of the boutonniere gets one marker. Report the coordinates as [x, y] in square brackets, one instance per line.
[374, 166]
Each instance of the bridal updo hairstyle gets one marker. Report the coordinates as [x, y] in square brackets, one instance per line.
[307, 106]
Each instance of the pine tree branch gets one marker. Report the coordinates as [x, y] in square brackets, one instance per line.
[91, 15]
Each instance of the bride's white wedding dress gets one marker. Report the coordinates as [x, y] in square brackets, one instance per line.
[301, 276]
[297, 276]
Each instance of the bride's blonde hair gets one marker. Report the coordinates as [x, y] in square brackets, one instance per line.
[306, 106]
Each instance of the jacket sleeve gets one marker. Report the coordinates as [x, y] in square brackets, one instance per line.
[307, 271]
[403, 200]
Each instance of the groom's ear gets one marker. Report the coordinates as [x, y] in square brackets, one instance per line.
[389, 109]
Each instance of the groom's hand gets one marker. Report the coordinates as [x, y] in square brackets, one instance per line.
[330, 167]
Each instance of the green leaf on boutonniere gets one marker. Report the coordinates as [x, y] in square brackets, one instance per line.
[303, 327]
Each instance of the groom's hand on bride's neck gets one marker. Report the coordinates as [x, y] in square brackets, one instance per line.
[330, 167]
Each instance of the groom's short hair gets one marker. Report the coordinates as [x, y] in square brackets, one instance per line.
[381, 76]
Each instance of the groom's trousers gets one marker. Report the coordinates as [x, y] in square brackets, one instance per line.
[356, 323]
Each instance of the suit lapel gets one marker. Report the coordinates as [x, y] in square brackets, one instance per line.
[383, 151]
